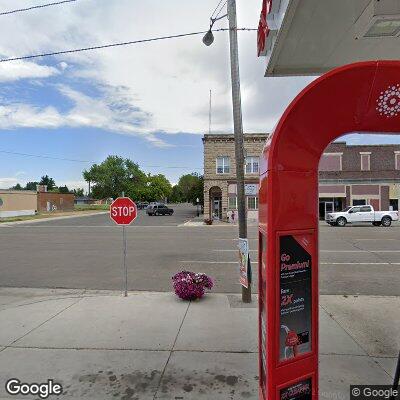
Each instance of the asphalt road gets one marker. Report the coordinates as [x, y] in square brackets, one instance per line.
[86, 252]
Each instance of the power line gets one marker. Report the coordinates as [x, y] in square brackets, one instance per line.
[220, 10]
[42, 156]
[220, 1]
[56, 53]
[35, 7]
[90, 162]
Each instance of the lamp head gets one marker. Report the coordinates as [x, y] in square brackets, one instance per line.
[208, 38]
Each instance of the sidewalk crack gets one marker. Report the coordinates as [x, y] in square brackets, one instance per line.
[171, 351]
[44, 322]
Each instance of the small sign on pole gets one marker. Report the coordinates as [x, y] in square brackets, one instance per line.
[123, 211]
[243, 246]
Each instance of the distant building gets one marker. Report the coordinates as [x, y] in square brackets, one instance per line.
[349, 175]
[357, 175]
[51, 201]
[16, 203]
[84, 200]
[220, 174]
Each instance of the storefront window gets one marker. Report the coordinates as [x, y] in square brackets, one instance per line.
[232, 203]
[252, 203]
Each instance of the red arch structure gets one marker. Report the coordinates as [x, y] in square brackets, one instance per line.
[361, 97]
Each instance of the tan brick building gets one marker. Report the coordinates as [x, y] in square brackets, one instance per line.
[220, 174]
[14, 203]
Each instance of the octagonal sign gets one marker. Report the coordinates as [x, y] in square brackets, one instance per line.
[123, 211]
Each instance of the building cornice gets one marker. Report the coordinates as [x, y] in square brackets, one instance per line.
[248, 137]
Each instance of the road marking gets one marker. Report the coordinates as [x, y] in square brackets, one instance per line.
[321, 263]
[357, 240]
[358, 263]
[209, 262]
[232, 240]
[360, 251]
[90, 226]
[329, 251]
[230, 250]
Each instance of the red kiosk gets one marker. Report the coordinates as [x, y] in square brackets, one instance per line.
[361, 97]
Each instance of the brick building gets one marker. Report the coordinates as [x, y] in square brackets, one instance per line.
[349, 175]
[359, 174]
[220, 174]
[51, 201]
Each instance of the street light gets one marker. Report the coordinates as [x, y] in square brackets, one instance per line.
[208, 38]
[238, 125]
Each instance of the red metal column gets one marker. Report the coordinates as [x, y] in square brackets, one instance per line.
[361, 97]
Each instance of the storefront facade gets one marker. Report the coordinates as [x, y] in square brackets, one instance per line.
[349, 175]
[352, 175]
[220, 198]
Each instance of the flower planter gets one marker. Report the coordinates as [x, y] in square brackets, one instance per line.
[190, 285]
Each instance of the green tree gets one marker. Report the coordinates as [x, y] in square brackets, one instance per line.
[197, 191]
[49, 182]
[114, 176]
[31, 185]
[78, 192]
[176, 195]
[63, 189]
[17, 187]
[192, 186]
[157, 188]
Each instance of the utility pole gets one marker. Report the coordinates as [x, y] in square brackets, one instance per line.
[209, 115]
[238, 131]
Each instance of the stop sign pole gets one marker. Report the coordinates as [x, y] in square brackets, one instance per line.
[123, 211]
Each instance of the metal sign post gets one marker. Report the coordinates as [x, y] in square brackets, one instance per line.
[124, 263]
[123, 211]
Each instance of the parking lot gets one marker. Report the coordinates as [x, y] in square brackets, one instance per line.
[86, 253]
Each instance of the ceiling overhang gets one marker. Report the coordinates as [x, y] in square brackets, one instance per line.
[311, 37]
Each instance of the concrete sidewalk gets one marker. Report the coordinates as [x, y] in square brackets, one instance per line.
[100, 345]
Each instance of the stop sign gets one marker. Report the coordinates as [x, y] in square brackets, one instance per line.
[123, 211]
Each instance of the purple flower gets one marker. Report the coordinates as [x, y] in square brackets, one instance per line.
[190, 285]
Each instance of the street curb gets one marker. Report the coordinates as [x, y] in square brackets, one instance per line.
[35, 221]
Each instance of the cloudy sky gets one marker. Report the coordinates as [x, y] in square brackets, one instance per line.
[148, 102]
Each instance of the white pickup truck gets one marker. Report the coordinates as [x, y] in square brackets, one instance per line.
[361, 214]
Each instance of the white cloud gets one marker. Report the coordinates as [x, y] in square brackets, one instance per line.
[13, 71]
[8, 182]
[110, 111]
[79, 184]
[63, 65]
[169, 81]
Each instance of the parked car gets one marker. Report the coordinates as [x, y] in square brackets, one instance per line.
[362, 214]
[159, 209]
[154, 203]
[142, 205]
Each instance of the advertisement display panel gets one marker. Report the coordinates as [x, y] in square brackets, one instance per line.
[299, 391]
[295, 266]
[243, 247]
